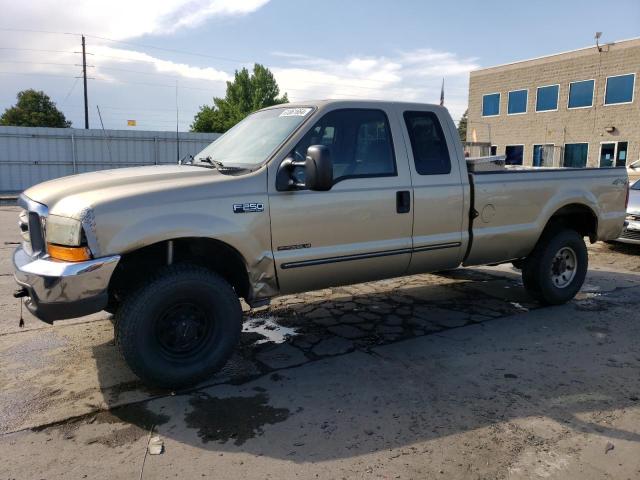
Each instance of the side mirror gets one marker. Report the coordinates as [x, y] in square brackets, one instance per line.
[318, 168]
[318, 171]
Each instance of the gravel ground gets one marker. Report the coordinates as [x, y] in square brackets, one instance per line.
[457, 375]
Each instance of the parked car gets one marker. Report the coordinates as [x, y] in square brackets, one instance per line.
[631, 232]
[633, 171]
[294, 198]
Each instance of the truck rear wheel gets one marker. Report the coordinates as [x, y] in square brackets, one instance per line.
[557, 267]
[180, 328]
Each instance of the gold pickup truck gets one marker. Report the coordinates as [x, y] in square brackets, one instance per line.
[294, 198]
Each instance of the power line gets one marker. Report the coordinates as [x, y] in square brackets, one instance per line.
[70, 90]
[138, 72]
[36, 74]
[20, 62]
[29, 30]
[37, 50]
[171, 50]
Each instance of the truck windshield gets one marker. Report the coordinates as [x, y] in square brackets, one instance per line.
[250, 142]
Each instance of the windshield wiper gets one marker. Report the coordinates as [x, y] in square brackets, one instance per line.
[218, 165]
[207, 160]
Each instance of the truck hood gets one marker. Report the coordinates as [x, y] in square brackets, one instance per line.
[68, 196]
[129, 208]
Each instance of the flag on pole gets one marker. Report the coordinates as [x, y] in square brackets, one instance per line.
[442, 94]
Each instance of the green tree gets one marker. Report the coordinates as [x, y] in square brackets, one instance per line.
[462, 126]
[247, 93]
[34, 109]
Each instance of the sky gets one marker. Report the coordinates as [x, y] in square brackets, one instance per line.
[139, 51]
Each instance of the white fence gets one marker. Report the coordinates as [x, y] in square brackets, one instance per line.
[31, 155]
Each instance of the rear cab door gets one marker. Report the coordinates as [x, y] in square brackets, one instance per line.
[440, 187]
[357, 231]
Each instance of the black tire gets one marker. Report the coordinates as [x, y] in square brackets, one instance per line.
[180, 328]
[557, 267]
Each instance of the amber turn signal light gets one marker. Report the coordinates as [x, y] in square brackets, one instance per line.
[69, 254]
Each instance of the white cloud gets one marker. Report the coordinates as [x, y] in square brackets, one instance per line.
[408, 76]
[114, 19]
[107, 56]
[121, 19]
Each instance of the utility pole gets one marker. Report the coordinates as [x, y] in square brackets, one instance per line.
[177, 124]
[84, 76]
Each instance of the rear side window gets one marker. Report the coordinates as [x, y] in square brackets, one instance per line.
[359, 141]
[428, 143]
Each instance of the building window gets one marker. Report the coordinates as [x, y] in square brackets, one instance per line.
[619, 89]
[494, 150]
[581, 94]
[547, 98]
[514, 154]
[576, 155]
[613, 154]
[517, 102]
[543, 155]
[491, 105]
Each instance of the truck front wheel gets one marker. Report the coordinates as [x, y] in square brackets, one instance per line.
[557, 267]
[179, 328]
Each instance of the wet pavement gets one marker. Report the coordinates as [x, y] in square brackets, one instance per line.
[397, 377]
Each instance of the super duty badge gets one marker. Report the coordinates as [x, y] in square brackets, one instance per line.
[251, 207]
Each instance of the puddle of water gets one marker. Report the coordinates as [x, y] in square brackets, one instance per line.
[519, 306]
[590, 288]
[270, 329]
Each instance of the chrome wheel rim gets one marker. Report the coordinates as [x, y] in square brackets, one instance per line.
[564, 267]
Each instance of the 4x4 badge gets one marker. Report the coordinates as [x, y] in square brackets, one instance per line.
[251, 207]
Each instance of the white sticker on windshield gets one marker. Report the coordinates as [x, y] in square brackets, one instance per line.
[295, 112]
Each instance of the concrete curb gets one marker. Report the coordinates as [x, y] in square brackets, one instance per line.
[8, 198]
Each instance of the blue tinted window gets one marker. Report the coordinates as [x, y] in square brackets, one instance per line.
[575, 155]
[514, 154]
[547, 98]
[581, 94]
[619, 89]
[543, 155]
[491, 104]
[517, 102]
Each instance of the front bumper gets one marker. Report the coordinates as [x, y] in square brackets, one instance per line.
[630, 233]
[59, 290]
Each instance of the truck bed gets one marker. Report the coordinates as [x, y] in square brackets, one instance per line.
[511, 206]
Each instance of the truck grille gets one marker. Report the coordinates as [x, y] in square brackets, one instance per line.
[31, 225]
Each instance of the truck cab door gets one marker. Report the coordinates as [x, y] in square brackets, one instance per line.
[440, 197]
[360, 230]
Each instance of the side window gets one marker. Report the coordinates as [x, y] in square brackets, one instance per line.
[360, 143]
[428, 143]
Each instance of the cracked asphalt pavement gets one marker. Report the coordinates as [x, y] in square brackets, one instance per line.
[454, 375]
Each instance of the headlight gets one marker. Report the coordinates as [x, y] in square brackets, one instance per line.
[63, 231]
[64, 238]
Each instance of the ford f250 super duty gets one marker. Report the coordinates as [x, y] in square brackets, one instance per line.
[296, 197]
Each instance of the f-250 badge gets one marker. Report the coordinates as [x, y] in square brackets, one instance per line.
[252, 207]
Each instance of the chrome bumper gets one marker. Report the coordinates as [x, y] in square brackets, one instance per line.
[59, 290]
